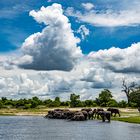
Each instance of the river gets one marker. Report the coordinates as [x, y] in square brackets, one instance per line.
[39, 128]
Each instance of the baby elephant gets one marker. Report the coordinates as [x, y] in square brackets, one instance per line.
[105, 115]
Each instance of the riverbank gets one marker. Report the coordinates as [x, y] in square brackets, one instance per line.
[127, 114]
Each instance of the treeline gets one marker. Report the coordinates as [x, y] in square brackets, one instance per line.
[105, 99]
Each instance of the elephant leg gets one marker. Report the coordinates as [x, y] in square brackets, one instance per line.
[97, 116]
[108, 117]
[103, 118]
[92, 116]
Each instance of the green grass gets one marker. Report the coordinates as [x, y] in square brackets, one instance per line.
[135, 119]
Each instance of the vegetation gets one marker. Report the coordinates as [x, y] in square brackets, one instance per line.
[105, 99]
[129, 90]
[135, 119]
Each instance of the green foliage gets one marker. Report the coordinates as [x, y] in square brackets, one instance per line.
[135, 98]
[122, 104]
[1, 105]
[67, 103]
[27, 106]
[135, 119]
[34, 104]
[48, 102]
[104, 97]
[3, 99]
[112, 103]
[90, 103]
[74, 100]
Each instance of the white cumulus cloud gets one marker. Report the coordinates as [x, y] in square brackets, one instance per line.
[55, 48]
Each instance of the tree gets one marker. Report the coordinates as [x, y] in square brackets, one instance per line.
[34, 104]
[39, 102]
[112, 103]
[90, 103]
[3, 99]
[1, 105]
[122, 104]
[135, 97]
[127, 89]
[48, 102]
[74, 100]
[104, 97]
[57, 102]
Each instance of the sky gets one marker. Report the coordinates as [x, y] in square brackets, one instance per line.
[52, 48]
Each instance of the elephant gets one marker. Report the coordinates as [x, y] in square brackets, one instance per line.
[50, 114]
[92, 114]
[105, 115]
[56, 114]
[78, 116]
[139, 109]
[85, 114]
[96, 112]
[86, 109]
[114, 111]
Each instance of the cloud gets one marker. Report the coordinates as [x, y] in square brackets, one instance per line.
[2, 83]
[83, 31]
[88, 6]
[119, 60]
[109, 17]
[55, 48]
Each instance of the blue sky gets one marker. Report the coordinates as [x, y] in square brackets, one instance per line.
[52, 48]
[16, 25]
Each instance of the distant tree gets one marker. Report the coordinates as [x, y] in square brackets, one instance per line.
[135, 97]
[66, 103]
[90, 103]
[57, 102]
[122, 104]
[74, 100]
[112, 103]
[128, 88]
[39, 102]
[48, 102]
[1, 104]
[34, 104]
[104, 97]
[3, 99]
[19, 103]
[27, 106]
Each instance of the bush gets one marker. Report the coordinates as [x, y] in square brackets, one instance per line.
[122, 104]
[112, 103]
[27, 106]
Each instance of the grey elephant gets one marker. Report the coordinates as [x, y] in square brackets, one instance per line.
[78, 116]
[114, 111]
[105, 115]
[97, 111]
[86, 109]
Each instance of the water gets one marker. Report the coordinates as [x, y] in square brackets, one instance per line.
[38, 128]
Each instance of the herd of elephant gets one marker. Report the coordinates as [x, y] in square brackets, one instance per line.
[83, 114]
